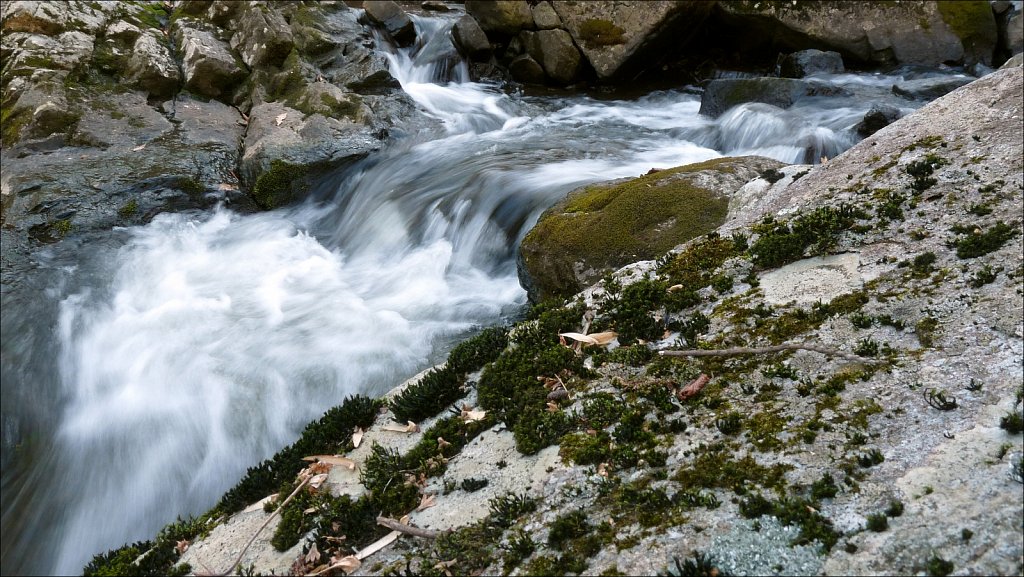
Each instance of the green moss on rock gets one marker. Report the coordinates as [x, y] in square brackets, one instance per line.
[605, 227]
[278, 186]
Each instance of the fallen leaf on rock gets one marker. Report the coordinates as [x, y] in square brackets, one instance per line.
[357, 437]
[426, 502]
[280, 118]
[552, 407]
[410, 428]
[605, 337]
[318, 480]
[348, 564]
[139, 147]
[314, 555]
[226, 186]
[470, 416]
[181, 546]
[332, 460]
[444, 565]
[693, 388]
[580, 337]
[441, 443]
[377, 545]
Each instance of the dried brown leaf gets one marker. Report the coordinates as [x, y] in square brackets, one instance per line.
[426, 502]
[280, 118]
[313, 556]
[693, 388]
[332, 460]
[357, 437]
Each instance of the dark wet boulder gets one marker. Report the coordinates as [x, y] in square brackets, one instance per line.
[545, 17]
[808, 62]
[930, 88]
[470, 39]
[525, 69]
[262, 37]
[504, 18]
[722, 94]
[622, 39]
[880, 116]
[151, 66]
[389, 16]
[556, 53]
[208, 66]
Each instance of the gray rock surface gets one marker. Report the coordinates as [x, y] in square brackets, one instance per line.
[722, 94]
[915, 33]
[620, 38]
[390, 16]
[556, 53]
[880, 116]
[808, 62]
[525, 69]
[545, 17]
[151, 66]
[207, 64]
[470, 38]
[929, 88]
[502, 17]
[262, 37]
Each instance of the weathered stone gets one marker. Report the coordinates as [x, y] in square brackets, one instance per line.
[558, 55]
[368, 75]
[502, 17]
[123, 32]
[869, 32]
[525, 69]
[721, 95]
[221, 12]
[279, 133]
[545, 17]
[808, 62]
[1017, 60]
[329, 100]
[435, 6]
[133, 122]
[599, 228]
[440, 52]
[929, 88]
[52, 18]
[262, 37]
[389, 16]
[54, 116]
[470, 38]
[151, 66]
[880, 116]
[208, 66]
[194, 7]
[1015, 33]
[621, 39]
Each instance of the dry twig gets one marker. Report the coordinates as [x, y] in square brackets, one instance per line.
[407, 529]
[765, 350]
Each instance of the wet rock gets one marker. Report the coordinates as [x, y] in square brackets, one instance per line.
[1015, 33]
[556, 53]
[470, 38]
[124, 120]
[929, 88]
[505, 18]
[221, 12]
[621, 39]
[435, 6]
[208, 66]
[808, 62]
[599, 228]
[300, 144]
[389, 16]
[262, 37]
[545, 17]
[921, 33]
[721, 95]
[880, 116]
[525, 69]
[151, 66]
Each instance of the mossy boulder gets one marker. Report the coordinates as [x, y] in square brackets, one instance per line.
[599, 228]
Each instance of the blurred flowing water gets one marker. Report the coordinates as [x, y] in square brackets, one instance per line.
[162, 360]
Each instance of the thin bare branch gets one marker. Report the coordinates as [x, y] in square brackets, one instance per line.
[407, 529]
[766, 350]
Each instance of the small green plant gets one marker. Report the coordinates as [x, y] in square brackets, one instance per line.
[937, 398]
[861, 320]
[982, 243]
[596, 32]
[1012, 422]
[922, 171]
[985, 275]
[519, 547]
[824, 488]
[895, 508]
[128, 209]
[966, 534]
[472, 484]
[938, 566]
[506, 509]
[866, 348]
[700, 565]
[925, 330]
[877, 522]
[729, 424]
[61, 228]
[871, 458]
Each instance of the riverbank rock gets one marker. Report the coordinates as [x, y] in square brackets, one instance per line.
[886, 440]
[721, 95]
[601, 227]
[929, 88]
[808, 62]
[619, 39]
[390, 16]
[929, 33]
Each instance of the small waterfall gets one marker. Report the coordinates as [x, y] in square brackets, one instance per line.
[201, 343]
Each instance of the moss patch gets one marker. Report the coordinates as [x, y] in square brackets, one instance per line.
[609, 226]
[278, 185]
[596, 32]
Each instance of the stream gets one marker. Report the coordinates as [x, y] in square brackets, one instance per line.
[162, 360]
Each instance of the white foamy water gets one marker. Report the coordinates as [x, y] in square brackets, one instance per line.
[201, 343]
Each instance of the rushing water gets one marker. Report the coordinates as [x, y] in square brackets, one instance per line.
[192, 347]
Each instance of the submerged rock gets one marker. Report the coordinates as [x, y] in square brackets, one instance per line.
[929, 88]
[808, 62]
